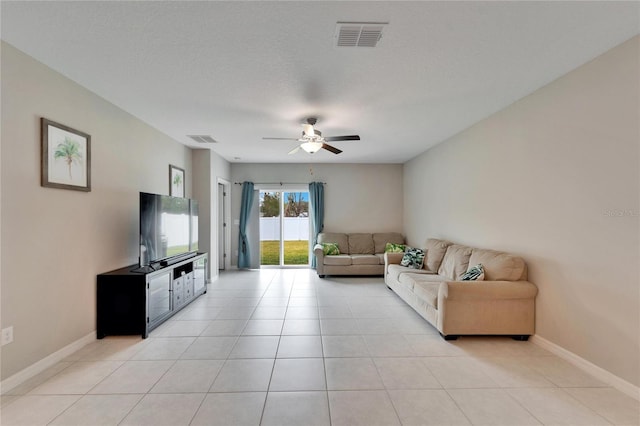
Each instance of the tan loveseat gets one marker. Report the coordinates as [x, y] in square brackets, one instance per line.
[360, 253]
[502, 304]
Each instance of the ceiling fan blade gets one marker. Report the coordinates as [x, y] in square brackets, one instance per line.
[281, 139]
[331, 148]
[342, 138]
[294, 150]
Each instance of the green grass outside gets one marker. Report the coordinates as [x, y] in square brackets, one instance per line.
[177, 250]
[295, 252]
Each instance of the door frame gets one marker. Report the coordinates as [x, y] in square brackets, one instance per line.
[282, 189]
[223, 222]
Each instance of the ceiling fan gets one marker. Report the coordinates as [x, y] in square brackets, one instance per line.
[312, 140]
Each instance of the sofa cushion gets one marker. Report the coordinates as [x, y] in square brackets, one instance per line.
[339, 260]
[330, 249]
[365, 259]
[394, 271]
[406, 281]
[430, 278]
[381, 239]
[413, 258]
[499, 266]
[435, 249]
[380, 257]
[335, 237]
[361, 244]
[455, 261]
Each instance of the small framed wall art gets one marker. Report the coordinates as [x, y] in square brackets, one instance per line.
[176, 181]
[66, 157]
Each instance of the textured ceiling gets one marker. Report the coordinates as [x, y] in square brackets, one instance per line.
[239, 71]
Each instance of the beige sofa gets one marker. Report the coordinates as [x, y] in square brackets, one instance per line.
[502, 304]
[360, 253]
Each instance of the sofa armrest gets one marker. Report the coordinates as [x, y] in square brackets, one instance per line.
[486, 307]
[319, 253]
[486, 290]
[392, 258]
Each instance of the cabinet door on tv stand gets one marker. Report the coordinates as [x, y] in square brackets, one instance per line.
[200, 275]
[159, 297]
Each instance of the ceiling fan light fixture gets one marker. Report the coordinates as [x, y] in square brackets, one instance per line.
[311, 147]
[312, 141]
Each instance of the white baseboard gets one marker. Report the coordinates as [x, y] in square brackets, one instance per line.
[598, 372]
[22, 376]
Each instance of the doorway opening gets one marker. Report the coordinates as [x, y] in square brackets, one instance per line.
[284, 228]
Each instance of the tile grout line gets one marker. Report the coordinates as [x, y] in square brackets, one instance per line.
[583, 405]
[273, 367]
[131, 409]
[195, 413]
[324, 364]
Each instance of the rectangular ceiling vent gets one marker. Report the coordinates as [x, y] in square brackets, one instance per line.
[359, 34]
[202, 138]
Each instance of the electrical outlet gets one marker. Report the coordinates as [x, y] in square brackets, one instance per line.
[7, 335]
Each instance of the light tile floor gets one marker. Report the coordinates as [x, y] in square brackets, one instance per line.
[283, 347]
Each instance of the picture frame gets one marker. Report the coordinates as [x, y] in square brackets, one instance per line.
[66, 157]
[176, 181]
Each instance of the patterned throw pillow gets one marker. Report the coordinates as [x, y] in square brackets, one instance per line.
[394, 248]
[413, 258]
[475, 273]
[330, 249]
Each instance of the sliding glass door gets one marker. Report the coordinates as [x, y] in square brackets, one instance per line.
[295, 228]
[284, 228]
[270, 227]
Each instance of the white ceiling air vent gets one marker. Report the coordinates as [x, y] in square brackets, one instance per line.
[202, 138]
[359, 34]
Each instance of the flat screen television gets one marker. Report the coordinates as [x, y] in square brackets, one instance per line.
[168, 227]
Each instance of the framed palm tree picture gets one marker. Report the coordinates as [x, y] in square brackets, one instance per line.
[176, 181]
[66, 157]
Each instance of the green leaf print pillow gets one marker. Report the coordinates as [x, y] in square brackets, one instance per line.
[330, 249]
[394, 248]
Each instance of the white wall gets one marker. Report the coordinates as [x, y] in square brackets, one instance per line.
[358, 197]
[208, 167]
[554, 178]
[54, 241]
[201, 159]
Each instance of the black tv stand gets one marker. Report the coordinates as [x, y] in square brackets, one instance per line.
[175, 259]
[135, 300]
[147, 269]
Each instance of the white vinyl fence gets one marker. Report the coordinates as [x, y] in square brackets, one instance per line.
[173, 227]
[295, 228]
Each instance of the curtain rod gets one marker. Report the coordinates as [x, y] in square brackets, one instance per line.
[279, 183]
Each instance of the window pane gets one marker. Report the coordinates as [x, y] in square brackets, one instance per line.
[270, 228]
[296, 228]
